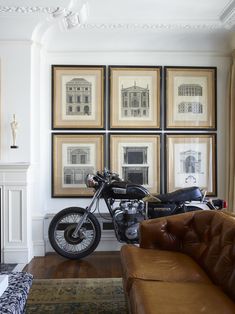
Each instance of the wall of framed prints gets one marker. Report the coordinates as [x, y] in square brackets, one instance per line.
[153, 143]
[157, 125]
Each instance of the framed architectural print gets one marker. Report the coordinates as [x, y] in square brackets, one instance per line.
[134, 97]
[190, 98]
[73, 157]
[136, 158]
[78, 97]
[191, 161]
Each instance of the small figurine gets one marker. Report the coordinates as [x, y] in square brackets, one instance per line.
[14, 129]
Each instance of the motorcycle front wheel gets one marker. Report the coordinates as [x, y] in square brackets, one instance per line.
[61, 231]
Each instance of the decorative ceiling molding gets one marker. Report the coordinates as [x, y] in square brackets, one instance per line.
[77, 19]
[228, 16]
[138, 26]
[29, 10]
[71, 19]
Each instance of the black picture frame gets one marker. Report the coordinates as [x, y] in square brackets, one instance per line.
[78, 109]
[149, 147]
[148, 94]
[193, 157]
[190, 98]
[74, 155]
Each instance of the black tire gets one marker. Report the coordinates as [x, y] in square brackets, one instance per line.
[61, 228]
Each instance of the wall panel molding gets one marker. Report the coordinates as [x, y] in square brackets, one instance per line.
[16, 219]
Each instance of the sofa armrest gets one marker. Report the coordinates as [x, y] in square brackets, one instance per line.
[164, 233]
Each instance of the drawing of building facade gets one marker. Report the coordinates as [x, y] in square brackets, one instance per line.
[78, 155]
[135, 101]
[190, 162]
[190, 107]
[135, 166]
[190, 90]
[78, 97]
[76, 175]
[78, 165]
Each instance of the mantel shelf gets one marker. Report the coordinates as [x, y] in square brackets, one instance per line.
[9, 166]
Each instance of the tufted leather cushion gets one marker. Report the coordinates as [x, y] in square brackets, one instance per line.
[207, 236]
[160, 265]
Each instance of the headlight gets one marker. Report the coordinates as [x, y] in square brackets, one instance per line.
[90, 181]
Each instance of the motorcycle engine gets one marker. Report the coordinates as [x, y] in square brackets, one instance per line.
[127, 217]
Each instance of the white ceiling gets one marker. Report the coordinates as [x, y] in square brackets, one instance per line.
[155, 10]
[200, 14]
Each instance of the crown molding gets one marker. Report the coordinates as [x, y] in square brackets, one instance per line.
[152, 26]
[227, 17]
[29, 10]
[71, 19]
[78, 53]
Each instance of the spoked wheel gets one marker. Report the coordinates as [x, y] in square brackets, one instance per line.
[61, 231]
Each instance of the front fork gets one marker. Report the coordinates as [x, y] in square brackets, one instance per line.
[95, 197]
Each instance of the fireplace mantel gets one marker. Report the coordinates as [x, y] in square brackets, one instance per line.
[16, 230]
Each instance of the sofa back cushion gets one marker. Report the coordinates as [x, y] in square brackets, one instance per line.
[209, 238]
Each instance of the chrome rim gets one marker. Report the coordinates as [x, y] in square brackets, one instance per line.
[64, 230]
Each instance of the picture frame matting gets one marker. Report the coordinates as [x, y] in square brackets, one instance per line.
[191, 161]
[134, 97]
[73, 157]
[190, 98]
[137, 159]
[78, 95]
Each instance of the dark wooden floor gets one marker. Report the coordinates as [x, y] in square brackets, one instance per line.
[97, 265]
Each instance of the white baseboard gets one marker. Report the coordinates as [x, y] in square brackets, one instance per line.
[17, 255]
[39, 248]
[19, 267]
[38, 236]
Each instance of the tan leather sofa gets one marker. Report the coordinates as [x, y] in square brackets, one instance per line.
[185, 264]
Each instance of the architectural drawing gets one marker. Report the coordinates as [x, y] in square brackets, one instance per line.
[78, 97]
[135, 166]
[135, 101]
[190, 162]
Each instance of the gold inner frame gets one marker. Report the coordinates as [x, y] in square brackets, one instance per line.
[210, 123]
[59, 140]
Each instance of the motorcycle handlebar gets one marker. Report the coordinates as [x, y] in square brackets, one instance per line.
[106, 174]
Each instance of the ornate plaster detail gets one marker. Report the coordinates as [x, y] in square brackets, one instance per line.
[28, 10]
[228, 16]
[71, 19]
[157, 26]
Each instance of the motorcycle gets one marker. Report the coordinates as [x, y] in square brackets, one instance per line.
[75, 232]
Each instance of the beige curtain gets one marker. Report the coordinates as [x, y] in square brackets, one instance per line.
[231, 138]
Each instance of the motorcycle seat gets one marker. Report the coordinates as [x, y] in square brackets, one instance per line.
[185, 194]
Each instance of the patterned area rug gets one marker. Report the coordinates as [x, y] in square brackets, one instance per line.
[77, 296]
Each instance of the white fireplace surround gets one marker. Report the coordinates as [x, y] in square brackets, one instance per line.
[16, 222]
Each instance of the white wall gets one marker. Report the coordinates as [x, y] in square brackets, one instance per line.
[15, 97]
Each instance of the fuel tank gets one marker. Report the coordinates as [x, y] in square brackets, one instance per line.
[125, 190]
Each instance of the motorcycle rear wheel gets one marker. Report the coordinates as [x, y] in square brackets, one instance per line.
[62, 227]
